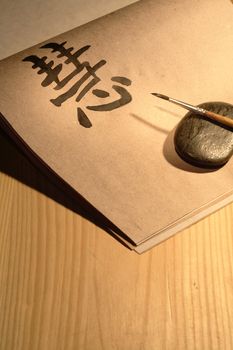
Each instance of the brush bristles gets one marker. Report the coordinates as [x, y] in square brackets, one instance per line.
[160, 96]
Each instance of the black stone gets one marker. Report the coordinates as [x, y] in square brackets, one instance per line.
[203, 142]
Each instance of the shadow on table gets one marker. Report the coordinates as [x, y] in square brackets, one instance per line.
[15, 164]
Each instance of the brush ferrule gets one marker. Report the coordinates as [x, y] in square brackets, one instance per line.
[187, 106]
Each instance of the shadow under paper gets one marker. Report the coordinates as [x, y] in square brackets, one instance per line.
[14, 163]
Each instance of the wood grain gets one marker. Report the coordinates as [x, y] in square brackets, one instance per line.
[67, 284]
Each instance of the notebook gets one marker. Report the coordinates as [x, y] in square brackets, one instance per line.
[80, 106]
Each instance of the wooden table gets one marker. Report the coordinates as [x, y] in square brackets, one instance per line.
[67, 284]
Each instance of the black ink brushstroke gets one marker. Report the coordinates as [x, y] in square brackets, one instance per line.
[74, 89]
[124, 99]
[83, 119]
[100, 93]
[63, 52]
[122, 80]
[52, 73]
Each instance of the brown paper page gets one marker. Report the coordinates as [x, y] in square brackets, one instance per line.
[125, 164]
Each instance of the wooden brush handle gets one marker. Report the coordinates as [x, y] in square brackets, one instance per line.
[220, 118]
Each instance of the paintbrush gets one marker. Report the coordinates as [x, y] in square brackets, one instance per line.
[214, 116]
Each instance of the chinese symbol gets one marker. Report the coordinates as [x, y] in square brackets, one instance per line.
[78, 89]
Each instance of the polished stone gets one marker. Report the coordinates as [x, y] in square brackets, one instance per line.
[203, 142]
